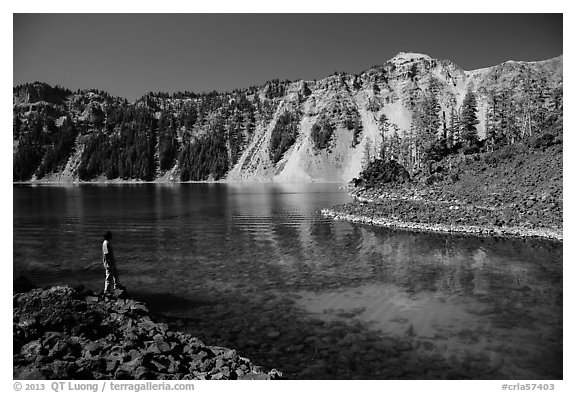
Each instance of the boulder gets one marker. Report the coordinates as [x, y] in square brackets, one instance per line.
[30, 351]
[30, 372]
[60, 369]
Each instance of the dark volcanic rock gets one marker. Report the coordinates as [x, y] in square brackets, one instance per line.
[64, 333]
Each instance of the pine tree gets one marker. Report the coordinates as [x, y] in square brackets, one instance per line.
[425, 125]
[506, 125]
[525, 104]
[492, 124]
[357, 130]
[453, 135]
[415, 143]
[555, 111]
[383, 126]
[469, 122]
[384, 151]
[367, 154]
[395, 144]
[411, 150]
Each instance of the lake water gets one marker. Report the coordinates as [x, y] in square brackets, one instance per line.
[258, 268]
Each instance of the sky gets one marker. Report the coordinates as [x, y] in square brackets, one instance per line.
[129, 55]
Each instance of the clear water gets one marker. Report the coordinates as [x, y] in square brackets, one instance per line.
[258, 268]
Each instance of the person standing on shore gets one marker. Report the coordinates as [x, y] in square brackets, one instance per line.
[109, 264]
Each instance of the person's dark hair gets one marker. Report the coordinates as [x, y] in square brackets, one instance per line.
[108, 235]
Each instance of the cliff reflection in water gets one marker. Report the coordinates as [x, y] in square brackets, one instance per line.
[257, 268]
[476, 302]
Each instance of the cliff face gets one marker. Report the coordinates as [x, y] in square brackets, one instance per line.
[303, 131]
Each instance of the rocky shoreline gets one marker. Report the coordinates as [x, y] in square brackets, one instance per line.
[72, 333]
[444, 228]
[410, 210]
[513, 191]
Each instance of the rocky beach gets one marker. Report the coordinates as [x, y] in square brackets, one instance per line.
[72, 333]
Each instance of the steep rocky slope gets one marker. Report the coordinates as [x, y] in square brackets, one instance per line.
[304, 131]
